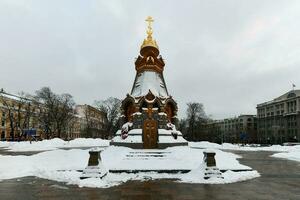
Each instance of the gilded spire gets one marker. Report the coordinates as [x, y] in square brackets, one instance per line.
[149, 41]
[149, 31]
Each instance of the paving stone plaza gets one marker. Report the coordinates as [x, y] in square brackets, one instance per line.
[280, 179]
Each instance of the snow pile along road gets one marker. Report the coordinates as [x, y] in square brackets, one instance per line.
[239, 147]
[53, 144]
[293, 154]
[38, 164]
[288, 152]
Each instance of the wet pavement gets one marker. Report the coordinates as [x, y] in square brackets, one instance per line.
[280, 179]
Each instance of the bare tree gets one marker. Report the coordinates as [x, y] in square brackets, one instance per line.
[182, 127]
[195, 118]
[111, 107]
[55, 111]
[24, 111]
[64, 113]
[45, 101]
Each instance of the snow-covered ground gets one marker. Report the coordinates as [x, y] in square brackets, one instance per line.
[292, 154]
[239, 147]
[288, 152]
[41, 163]
[62, 165]
[52, 144]
[181, 157]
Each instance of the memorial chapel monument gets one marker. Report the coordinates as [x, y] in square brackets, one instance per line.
[149, 113]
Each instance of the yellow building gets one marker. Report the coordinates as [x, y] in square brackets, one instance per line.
[18, 117]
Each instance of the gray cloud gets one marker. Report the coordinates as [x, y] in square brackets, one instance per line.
[230, 55]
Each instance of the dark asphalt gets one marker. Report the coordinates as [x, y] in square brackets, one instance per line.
[280, 179]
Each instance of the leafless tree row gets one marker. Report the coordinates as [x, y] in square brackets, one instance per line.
[53, 114]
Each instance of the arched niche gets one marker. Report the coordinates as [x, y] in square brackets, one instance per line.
[129, 109]
[143, 104]
[170, 110]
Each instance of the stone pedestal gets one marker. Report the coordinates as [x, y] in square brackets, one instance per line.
[95, 169]
[211, 170]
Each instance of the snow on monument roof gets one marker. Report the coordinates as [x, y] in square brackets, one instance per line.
[149, 80]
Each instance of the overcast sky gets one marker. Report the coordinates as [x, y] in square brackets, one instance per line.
[229, 54]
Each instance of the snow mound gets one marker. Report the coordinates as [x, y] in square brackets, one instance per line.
[38, 164]
[56, 143]
[293, 154]
[239, 147]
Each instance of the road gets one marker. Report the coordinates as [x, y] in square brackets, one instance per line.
[280, 179]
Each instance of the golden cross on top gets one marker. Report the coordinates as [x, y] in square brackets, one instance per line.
[149, 31]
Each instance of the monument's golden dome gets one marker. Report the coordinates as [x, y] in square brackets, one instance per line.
[149, 41]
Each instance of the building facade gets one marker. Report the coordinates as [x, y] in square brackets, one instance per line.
[89, 122]
[279, 119]
[18, 118]
[241, 129]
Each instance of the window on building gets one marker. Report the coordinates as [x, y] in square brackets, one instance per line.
[277, 112]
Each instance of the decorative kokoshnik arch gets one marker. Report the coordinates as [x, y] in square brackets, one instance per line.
[131, 106]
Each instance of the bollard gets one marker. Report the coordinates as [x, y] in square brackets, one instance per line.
[95, 169]
[94, 158]
[209, 159]
[211, 169]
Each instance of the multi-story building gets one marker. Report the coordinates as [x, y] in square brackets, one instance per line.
[18, 117]
[279, 119]
[19, 120]
[241, 129]
[91, 122]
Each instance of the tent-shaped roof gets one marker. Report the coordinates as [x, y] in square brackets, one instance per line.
[149, 80]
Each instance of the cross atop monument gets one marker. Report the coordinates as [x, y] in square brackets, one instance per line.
[149, 31]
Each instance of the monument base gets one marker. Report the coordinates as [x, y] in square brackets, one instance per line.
[211, 170]
[134, 139]
[95, 169]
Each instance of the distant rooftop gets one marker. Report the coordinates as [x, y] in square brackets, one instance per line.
[289, 94]
[11, 96]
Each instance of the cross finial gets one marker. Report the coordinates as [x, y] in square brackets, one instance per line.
[149, 31]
